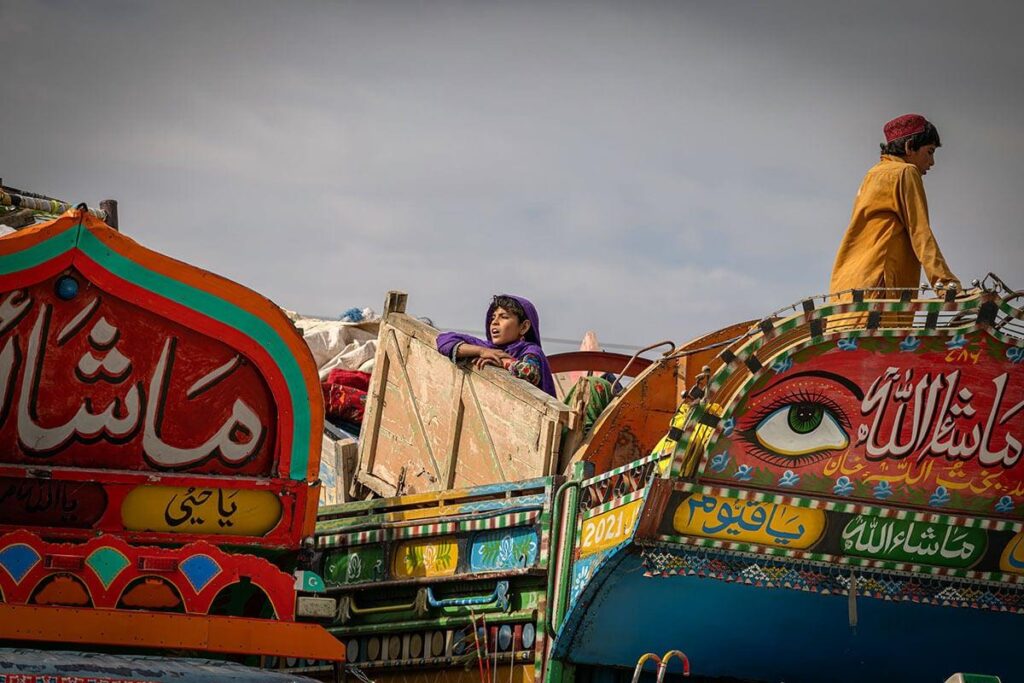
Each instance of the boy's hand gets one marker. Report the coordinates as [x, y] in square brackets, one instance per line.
[495, 357]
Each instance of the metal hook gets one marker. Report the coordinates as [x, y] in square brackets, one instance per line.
[663, 667]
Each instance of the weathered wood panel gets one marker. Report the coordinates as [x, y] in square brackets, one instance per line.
[433, 425]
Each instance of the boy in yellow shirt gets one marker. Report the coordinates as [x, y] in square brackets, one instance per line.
[889, 238]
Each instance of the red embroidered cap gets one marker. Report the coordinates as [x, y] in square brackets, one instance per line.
[902, 126]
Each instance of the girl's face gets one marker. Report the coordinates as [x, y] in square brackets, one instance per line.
[505, 328]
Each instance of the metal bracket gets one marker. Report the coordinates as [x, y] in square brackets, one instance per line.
[347, 608]
[499, 597]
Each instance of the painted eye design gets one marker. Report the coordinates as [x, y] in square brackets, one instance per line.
[799, 432]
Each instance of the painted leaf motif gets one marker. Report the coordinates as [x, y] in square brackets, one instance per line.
[488, 553]
[355, 568]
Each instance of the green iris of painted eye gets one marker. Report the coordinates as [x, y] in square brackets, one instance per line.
[805, 417]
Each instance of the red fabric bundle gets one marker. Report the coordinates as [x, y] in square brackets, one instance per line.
[345, 395]
[349, 378]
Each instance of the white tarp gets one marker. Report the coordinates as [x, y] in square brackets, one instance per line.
[336, 344]
[344, 345]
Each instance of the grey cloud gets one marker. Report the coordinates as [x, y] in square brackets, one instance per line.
[649, 170]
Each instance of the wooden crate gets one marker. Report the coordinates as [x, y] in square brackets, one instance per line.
[432, 425]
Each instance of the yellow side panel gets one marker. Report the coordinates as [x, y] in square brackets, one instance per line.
[238, 512]
[748, 521]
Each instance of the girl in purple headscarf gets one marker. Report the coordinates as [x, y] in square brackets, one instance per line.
[513, 342]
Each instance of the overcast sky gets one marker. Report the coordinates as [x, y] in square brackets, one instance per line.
[647, 170]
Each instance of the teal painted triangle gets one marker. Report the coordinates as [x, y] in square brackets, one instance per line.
[107, 563]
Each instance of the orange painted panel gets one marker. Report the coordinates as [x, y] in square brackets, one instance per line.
[235, 635]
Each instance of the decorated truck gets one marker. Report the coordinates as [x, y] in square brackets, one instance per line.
[831, 493]
[160, 435]
[834, 492]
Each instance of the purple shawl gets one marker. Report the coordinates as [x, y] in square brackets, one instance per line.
[446, 341]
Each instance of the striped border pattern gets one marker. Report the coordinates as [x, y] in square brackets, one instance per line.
[619, 470]
[612, 504]
[401, 533]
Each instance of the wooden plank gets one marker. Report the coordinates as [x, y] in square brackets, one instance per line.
[395, 302]
[484, 430]
[549, 446]
[371, 421]
[418, 425]
[381, 487]
[458, 410]
[348, 459]
[414, 328]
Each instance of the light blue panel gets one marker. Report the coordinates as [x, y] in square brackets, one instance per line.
[775, 634]
[504, 549]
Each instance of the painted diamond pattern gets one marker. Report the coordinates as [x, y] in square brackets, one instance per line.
[18, 560]
[200, 570]
[754, 573]
[950, 593]
[107, 563]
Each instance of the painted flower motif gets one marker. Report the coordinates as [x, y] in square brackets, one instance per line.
[847, 344]
[782, 364]
[940, 497]
[957, 342]
[1015, 354]
[843, 486]
[910, 343]
[579, 581]
[1004, 504]
[743, 473]
[789, 478]
[882, 490]
[720, 461]
[728, 425]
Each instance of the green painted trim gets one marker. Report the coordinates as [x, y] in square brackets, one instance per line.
[566, 545]
[40, 253]
[560, 672]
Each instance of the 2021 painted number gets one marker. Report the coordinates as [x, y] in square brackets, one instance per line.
[609, 528]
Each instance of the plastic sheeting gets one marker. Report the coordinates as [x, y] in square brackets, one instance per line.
[336, 344]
